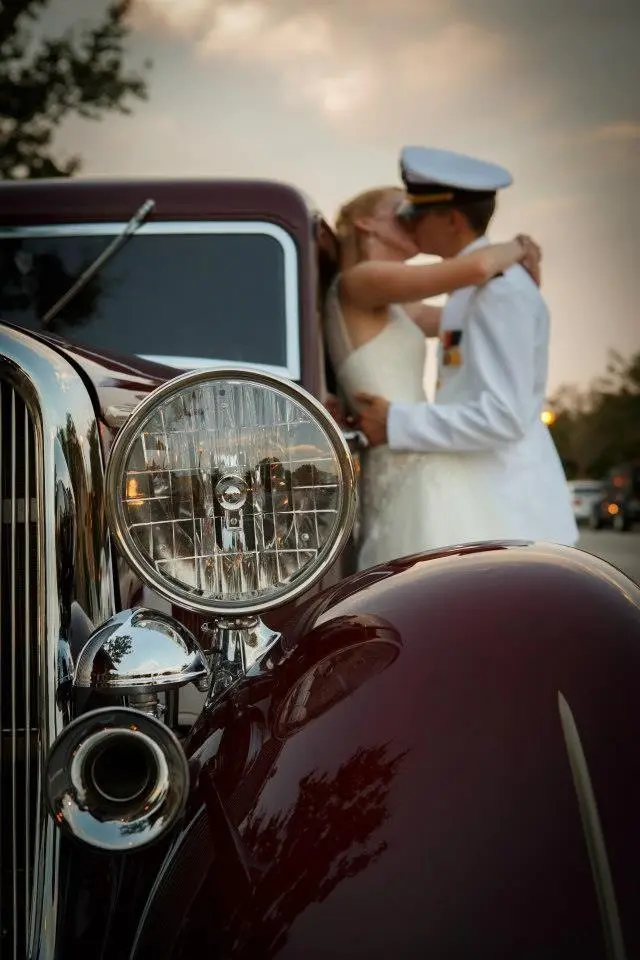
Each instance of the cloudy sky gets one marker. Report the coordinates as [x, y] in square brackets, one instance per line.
[324, 94]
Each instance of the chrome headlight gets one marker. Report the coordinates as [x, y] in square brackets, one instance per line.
[230, 491]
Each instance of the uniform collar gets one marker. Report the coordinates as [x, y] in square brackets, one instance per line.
[475, 245]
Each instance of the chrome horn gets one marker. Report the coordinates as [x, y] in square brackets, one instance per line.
[116, 779]
[138, 654]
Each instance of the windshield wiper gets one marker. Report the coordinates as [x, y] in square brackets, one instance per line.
[136, 221]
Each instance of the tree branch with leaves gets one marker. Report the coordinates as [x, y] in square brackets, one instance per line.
[43, 82]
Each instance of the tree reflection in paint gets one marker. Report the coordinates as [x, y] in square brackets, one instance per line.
[328, 836]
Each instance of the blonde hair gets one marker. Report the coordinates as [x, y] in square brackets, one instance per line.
[363, 205]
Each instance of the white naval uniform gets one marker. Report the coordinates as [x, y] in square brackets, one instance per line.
[492, 378]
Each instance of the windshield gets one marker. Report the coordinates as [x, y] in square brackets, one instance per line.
[186, 295]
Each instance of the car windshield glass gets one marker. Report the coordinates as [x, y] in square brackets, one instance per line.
[187, 295]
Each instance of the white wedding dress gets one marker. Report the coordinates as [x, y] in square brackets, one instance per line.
[411, 502]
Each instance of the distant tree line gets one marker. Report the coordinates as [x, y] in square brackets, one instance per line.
[598, 428]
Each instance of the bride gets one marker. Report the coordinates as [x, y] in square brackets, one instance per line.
[375, 330]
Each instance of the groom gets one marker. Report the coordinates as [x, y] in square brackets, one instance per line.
[493, 359]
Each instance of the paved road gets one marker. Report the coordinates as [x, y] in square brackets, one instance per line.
[620, 549]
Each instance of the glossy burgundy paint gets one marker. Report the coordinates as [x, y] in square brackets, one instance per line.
[425, 805]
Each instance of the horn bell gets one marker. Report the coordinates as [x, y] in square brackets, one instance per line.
[116, 779]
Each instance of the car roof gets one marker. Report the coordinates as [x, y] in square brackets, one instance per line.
[83, 200]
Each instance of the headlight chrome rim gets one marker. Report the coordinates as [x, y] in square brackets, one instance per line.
[121, 451]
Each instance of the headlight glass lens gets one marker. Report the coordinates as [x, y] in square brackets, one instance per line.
[230, 491]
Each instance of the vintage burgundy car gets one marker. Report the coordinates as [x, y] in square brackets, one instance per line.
[218, 740]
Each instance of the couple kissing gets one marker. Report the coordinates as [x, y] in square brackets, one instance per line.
[478, 463]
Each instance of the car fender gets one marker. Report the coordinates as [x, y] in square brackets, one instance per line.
[444, 763]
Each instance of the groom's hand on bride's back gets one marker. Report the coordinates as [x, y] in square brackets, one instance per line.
[372, 417]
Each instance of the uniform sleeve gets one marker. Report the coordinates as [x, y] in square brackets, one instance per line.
[501, 351]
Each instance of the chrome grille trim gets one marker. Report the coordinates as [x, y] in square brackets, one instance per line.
[65, 514]
[20, 538]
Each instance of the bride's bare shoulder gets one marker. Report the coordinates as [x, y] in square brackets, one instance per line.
[351, 308]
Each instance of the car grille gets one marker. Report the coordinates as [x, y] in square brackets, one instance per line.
[20, 538]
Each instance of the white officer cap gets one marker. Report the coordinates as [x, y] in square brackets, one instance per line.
[433, 177]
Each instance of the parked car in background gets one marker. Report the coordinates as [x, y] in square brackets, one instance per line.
[584, 494]
[436, 757]
[619, 507]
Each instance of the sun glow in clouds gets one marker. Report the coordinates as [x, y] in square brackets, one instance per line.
[338, 95]
[247, 32]
[176, 16]
[233, 25]
[302, 49]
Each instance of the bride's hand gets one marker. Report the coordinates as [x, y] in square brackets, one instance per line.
[531, 257]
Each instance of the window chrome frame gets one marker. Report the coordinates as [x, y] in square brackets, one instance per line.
[292, 367]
